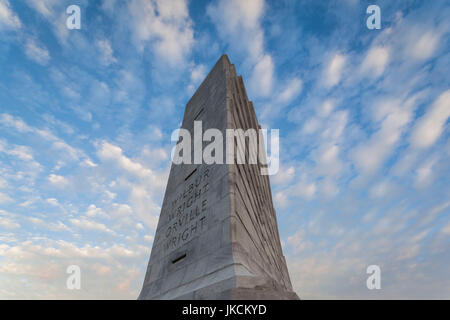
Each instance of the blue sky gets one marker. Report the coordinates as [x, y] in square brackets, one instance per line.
[86, 117]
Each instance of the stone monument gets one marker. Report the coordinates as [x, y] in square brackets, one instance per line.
[217, 235]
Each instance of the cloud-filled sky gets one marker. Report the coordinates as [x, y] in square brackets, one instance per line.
[86, 117]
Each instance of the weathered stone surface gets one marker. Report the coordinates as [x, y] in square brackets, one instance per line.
[217, 235]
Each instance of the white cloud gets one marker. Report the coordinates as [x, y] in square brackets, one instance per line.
[3, 183]
[329, 155]
[446, 230]
[154, 156]
[298, 241]
[334, 70]
[375, 61]
[283, 176]
[108, 5]
[125, 285]
[334, 126]
[281, 200]
[107, 52]
[326, 108]
[394, 116]
[424, 47]
[166, 24]
[8, 223]
[240, 20]
[52, 201]
[43, 261]
[86, 224]
[58, 226]
[110, 152]
[261, 81]
[58, 181]
[26, 170]
[139, 226]
[44, 7]
[433, 213]
[37, 52]
[148, 238]
[142, 182]
[7, 220]
[22, 152]
[328, 187]
[53, 226]
[312, 125]
[110, 195]
[16, 123]
[102, 270]
[198, 73]
[54, 11]
[120, 211]
[291, 91]
[93, 211]
[242, 13]
[146, 208]
[305, 189]
[409, 253]
[424, 174]
[239, 23]
[67, 152]
[8, 19]
[428, 128]
[380, 189]
[88, 163]
[327, 159]
[324, 251]
[4, 198]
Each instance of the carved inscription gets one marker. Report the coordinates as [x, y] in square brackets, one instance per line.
[187, 216]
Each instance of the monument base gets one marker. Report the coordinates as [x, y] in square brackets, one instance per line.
[261, 294]
[227, 284]
[257, 293]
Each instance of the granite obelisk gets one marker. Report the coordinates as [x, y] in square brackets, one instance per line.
[217, 235]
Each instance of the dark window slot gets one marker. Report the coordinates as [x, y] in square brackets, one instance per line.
[179, 258]
[190, 174]
[198, 114]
